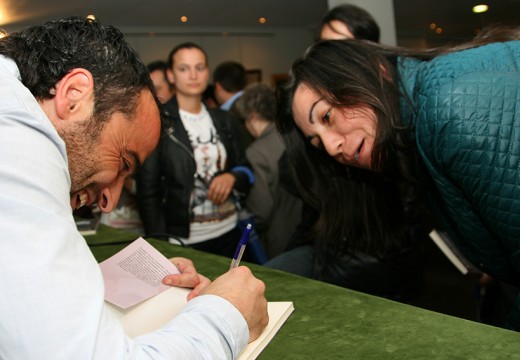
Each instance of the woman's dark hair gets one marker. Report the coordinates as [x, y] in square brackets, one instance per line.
[185, 45]
[372, 211]
[345, 76]
[351, 201]
[45, 53]
[359, 22]
[208, 96]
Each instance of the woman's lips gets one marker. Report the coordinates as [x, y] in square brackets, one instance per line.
[358, 151]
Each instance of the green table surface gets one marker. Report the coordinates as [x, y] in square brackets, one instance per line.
[331, 322]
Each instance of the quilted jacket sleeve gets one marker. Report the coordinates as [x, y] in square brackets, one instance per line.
[468, 134]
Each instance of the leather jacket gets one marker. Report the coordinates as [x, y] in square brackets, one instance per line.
[165, 180]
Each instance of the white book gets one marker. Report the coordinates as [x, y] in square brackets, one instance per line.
[154, 313]
[446, 245]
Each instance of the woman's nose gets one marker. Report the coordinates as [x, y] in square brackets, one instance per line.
[332, 143]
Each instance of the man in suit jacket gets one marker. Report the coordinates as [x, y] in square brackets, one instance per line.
[229, 80]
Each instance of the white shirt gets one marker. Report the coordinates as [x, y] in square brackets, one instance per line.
[209, 221]
[51, 288]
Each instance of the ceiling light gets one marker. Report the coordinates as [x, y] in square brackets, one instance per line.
[3, 33]
[91, 17]
[438, 30]
[480, 8]
[433, 26]
[184, 19]
[262, 20]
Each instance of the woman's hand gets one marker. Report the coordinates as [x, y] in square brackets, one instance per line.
[188, 278]
[221, 187]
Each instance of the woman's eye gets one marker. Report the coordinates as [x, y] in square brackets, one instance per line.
[326, 117]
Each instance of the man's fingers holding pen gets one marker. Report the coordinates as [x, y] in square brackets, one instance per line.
[238, 286]
[246, 293]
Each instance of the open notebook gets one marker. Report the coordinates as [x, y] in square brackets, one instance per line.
[126, 286]
[155, 312]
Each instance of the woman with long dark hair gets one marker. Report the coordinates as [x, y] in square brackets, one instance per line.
[371, 130]
[328, 254]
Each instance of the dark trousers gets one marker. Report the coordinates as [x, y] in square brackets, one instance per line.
[399, 279]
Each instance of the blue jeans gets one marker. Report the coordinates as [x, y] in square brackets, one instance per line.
[299, 261]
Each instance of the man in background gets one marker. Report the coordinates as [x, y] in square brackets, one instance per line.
[164, 89]
[74, 123]
[229, 79]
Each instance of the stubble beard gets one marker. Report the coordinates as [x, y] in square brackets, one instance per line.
[81, 154]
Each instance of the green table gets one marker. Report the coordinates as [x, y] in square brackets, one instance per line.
[331, 322]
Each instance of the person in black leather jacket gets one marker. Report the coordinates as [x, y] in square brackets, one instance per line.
[188, 186]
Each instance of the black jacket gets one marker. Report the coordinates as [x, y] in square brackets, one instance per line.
[166, 179]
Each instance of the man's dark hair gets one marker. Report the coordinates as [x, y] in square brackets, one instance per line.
[162, 66]
[186, 45]
[157, 65]
[231, 75]
[359, 21]
[45, 53]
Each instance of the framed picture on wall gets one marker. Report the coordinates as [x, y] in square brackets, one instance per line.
[253, 75]
[278, 80]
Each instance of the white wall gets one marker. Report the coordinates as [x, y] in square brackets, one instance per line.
[272, 51]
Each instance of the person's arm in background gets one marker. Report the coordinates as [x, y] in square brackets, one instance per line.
[260, 199]
[237, 166]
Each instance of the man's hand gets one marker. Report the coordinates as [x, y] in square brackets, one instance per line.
[246, 293]
[221, 187]
[188, 278]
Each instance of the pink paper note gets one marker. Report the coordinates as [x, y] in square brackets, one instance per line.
[135, 274]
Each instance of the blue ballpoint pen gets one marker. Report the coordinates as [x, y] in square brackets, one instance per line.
[241, 247]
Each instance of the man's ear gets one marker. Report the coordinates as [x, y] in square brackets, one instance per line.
[74, 97]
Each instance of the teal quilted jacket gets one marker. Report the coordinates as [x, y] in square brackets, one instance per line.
[465, 108]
